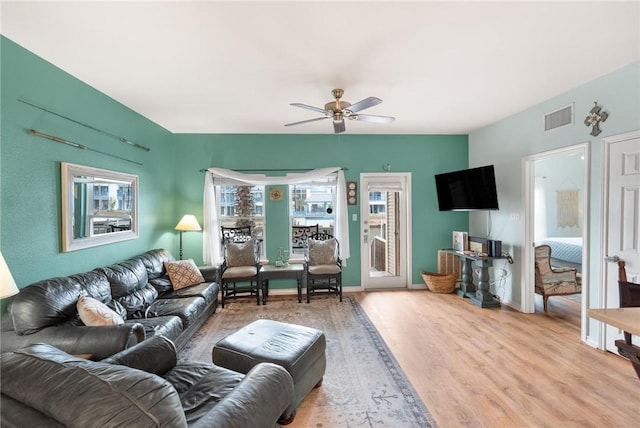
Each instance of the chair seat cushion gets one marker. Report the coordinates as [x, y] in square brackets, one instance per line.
[324, 269]
[240, 272]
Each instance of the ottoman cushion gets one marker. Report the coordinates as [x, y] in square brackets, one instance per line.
[300, 350]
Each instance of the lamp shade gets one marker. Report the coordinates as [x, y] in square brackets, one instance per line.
[188, 223]
[8, 286]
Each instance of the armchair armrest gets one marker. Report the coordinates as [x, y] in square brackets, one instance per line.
[155, 355]
[563, 269]
[257, 401]
[99, 342]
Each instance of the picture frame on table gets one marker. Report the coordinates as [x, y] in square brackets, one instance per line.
[460, 241]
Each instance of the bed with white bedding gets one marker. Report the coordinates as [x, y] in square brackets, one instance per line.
[565, 251]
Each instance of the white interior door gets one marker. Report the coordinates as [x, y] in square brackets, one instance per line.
[384, 224]
[622, 219]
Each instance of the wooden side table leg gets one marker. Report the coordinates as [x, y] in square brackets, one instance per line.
[467, 288]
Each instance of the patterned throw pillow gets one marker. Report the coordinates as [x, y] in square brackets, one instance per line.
[241, 254]
[93, 312]
[183, 273]
[322, 252]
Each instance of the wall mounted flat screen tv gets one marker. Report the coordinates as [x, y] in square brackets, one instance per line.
[467, 190]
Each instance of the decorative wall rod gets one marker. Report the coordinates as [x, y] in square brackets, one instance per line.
[124, 140]
[76, 145]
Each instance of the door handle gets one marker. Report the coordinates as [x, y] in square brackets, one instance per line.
[611, 259]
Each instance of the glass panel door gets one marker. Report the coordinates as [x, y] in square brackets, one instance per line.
[384, 230]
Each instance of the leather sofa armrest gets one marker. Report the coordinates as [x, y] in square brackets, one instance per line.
[210, 273]
[155, 355]
[257, 401]
[96, 342]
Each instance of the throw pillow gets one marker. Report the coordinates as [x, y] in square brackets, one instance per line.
[93, 312]
[183, 273]
[241, 254]
[322, 252]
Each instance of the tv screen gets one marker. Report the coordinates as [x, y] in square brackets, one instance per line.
[467, 190]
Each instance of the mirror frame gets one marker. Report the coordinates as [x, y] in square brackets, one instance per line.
[68, 172]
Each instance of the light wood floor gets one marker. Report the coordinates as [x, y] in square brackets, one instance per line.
[476, 367]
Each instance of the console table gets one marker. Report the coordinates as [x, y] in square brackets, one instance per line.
[289, 271]
[481, 295]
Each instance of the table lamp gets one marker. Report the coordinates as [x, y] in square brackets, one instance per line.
[8, 286]
[187, 223]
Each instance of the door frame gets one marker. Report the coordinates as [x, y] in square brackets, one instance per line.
[406, 243]
[528, 269]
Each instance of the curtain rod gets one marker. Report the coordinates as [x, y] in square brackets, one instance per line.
[77, 145]
[276, 170]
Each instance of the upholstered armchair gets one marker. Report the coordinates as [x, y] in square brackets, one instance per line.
[551, 281]
[241, 265]
[323, 266]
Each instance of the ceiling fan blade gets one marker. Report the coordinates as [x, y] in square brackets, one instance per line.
[308, 107]
[373, 118]
[363, 104]
[306, 121]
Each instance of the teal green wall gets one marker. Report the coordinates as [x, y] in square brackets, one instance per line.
[421, 155]
[171, 183]
[30, 220]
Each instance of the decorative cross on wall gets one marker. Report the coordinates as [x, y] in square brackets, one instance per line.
[595, 116]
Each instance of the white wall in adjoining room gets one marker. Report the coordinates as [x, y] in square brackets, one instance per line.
[562, 172]
[508, 141]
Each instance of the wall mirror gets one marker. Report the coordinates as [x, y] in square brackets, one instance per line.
[98, 206]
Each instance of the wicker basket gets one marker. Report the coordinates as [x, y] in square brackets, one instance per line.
[440, 282]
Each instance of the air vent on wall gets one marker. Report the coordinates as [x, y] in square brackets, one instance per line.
[558, 118]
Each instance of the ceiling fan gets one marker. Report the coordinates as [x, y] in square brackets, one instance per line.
[339, 110]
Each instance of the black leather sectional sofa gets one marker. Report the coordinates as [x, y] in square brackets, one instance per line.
[142, 386]
[138, 288]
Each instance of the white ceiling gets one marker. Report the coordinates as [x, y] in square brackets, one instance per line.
[235, 66]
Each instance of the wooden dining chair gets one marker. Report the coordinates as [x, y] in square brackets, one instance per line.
[629, 298]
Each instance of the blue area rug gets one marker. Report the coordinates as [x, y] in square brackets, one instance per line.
[363, 385]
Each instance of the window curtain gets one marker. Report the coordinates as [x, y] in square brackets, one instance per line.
[220, 176]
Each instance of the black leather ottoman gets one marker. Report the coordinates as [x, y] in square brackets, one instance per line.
[300, 350]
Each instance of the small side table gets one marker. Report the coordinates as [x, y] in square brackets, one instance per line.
[289, 271]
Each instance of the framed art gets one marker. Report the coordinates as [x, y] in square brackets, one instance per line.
[460, 241]
[352, 192]
[275, 194]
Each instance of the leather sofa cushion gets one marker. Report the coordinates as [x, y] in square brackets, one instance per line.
[53, 301]
[137, 302]
[125, 277]
[208, 291]
[187, 308]
[153, 261]
[102, 394]
[201, 386]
